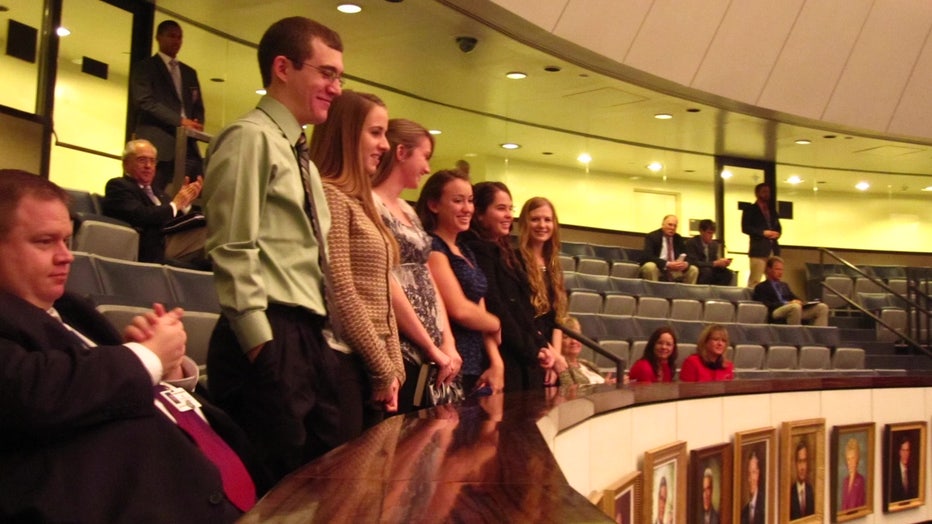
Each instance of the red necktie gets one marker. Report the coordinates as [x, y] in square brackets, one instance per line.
[237, 484]
[671, 256]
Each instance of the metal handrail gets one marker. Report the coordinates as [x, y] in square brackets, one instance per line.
[593, 345]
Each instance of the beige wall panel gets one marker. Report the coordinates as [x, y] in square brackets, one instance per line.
[618, 24]
[880, 64]
[20, 144]
[675, 37]
[814, 57]
[745, 48]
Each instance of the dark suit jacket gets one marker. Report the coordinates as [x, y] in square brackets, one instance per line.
[157, 106]
[795, 513]
[753, 224]
[653, 243]
[695, 252]
[764, 292]
[125, 200]
[82, 440]
[897, 491]
[760, 512]
[509, 298]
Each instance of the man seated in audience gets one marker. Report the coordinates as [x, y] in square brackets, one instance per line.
[782, 302]
[91, 433]
[665, 255]
[702, 251]
[131, 198]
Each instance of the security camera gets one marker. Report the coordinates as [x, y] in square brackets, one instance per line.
[466, 43]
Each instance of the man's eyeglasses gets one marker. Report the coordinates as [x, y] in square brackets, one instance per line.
[145, 160]
[329, 74]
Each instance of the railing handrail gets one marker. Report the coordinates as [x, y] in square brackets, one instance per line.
[593, 345]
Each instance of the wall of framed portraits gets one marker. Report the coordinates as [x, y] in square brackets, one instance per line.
[815, 456]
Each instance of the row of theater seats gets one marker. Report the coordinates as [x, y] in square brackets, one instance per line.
[99, 234]
[122, 289]
[815, 347]
[637, 287]
[711, 310]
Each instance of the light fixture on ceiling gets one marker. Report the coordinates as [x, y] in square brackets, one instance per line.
[516, 75]
[435, 132]
[585, 158]
[217, 80]
[803, 142]
[349, 9]
[794, 179]
[62, 31]
[510, 145]
[927, 188]
[552, 69]
[862, 186]
[260, 91]
[726, 174]
[663, 116]
[654, 167]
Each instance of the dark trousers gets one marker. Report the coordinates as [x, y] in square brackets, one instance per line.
[287, 400]
[717, 276]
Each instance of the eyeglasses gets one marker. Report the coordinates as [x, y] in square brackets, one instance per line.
[145, 160]
[329, 74]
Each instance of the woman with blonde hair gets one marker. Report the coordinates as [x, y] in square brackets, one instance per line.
[346, 149]
[426, 339]
[708, 363]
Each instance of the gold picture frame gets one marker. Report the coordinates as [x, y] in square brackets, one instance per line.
[852, 471]
[754, 466]
[622, 500]
[665, 483]
[802, 467]
[897, 493]
[710, 479]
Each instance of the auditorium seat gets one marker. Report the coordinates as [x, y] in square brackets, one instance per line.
[637, 350]
[731, 293]
[576, 249]
[608, 253]
[751, 313]
[824, 335]
[781, 357]
[83, 202]
[618, 304]
[82, 278]
[844, 287]
[683, 350]
[628, 286]
[752, 334]
[793, 335]
[647, 325]
[814, 357]
[685, 309]
[619, 348]
[193, 289]
[718, 311]
[120, 315]
[621, 327]
[865, 285]
[591, 266]
[567, 263]
[653, 307]
[896, 318]
[662, 289]
[581, 301]
[687, 330]
[624, 269]
[199, 325]
[848, 358]
[700, 292]
[749, 356]
[590, 325]
[106, 238]
[597, 283]
[134, 283]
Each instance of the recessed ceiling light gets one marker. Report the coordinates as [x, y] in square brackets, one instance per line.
[927, 188]
[726, 174]
[260, 91]
[803, 142]
[62, 31]
[435, 131]
[510, 145]
[546, 153]
[663, 116]
[516, 75]
[654, 166]
[693, 110]
[585, 158]
[829, 136]
[794, 179]
[862, 186]
[553, 69]
[350, 9]
[217, 80]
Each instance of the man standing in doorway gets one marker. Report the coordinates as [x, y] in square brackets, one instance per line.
[761, 224]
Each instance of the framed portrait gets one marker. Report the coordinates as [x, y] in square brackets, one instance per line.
[755, 474]
[904, 459]
[802, 460]
[710, 476]
[665, 483]
[852, 471]
[622, 500]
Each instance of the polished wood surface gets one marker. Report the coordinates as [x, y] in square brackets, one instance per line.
[485, 460]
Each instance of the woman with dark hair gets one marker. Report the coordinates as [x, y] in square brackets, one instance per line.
[426, 337]
[445, 208]
[708, 363]
[525, 351]
[659, 357]
[346, 149]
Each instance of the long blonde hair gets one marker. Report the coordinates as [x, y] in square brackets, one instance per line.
[335, 150]
[552, 270]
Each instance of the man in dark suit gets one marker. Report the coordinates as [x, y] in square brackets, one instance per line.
[755, 510]
[166, 95]
[761, 224]
[88, 433]
[904, 481]
[802, 499]
[702, 251]
[132, 198]
[782, 302]
[665, 255]
[709, 514]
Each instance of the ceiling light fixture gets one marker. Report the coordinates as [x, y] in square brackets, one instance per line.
[510, 145]
[62, 31]
[803, 142]
[726, 174]
[794, 179]
[927, 188]
[260, 91]
[349, 9]
[585, 158]
[654, 166]
[435, 132]
[663, 116]
[552, 69]
[516, 75]
[862, 186]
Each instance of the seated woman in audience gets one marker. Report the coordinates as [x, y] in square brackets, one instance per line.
[525, 351]
[426, 337]
[578, 371]
[539, 252]
[346, 150]
[708, 363]
[445, 208]
[657, 364]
